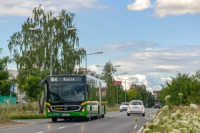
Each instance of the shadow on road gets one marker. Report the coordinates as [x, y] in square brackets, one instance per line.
[73, 120]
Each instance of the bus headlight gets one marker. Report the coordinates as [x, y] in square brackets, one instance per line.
[83, 109]
[48, 110]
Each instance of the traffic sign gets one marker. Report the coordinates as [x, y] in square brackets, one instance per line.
[12, 88]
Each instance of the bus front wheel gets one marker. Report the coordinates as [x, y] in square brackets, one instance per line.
[54, 119]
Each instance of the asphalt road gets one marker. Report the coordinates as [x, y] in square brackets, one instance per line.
[114, 122]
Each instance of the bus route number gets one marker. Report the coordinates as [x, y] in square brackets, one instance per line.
[54, 79]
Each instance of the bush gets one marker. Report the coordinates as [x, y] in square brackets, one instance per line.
[182, 119]
[3, 114]
[183, 90]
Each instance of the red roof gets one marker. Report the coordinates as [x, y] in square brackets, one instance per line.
[117, 82]
[156, 91]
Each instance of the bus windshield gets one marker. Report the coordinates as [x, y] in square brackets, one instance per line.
[66, 92]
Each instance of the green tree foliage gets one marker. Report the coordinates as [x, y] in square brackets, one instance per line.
[183, 89]
[111, 94]
[107, 75]
[24, 72]
[121, 94]
[33, 49]
[108, 72]
[133, 94]
[33, 91]
[144, 95]
[4, 77]
[32, 88]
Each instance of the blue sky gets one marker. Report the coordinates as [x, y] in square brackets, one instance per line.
[151, 40]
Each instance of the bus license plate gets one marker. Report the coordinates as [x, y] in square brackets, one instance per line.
[65, 114]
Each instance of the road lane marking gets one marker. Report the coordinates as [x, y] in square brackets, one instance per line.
[61, 127]
[76, 124]
[135, 127]
[139, 131]
[40, 132]
[142, 128]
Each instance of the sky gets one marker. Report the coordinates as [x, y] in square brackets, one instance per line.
[151, 40]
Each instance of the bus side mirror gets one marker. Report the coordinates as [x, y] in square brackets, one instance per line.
[42, 84]
[88, 88]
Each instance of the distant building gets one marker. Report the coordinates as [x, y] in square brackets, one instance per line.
[156, 94]
[20, 95]
[13, 73]
[118, 83]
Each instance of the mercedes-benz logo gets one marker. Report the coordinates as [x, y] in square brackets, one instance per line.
[65, 109]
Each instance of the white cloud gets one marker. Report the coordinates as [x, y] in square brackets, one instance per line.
[150, 89]
[176, 7]
[94, 68]
[164, 8]
[141, 79]
[172, 67]
[139, 5]
[152, 65]
[128, 45]
[24, 7]
[166, 79]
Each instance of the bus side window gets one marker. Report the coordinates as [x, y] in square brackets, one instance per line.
[88, 88]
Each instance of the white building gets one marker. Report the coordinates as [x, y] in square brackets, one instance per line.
[20, 95]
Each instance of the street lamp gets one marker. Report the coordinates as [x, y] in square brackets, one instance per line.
[100, 52]
[125, 87]
[68, 29]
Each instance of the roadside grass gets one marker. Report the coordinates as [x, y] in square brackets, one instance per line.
[4, 119]
[178, 119]
[112, 109]
[20, 111]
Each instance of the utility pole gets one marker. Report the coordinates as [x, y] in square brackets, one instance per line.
[125, 90]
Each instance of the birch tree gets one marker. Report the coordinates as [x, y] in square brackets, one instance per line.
[44, 36]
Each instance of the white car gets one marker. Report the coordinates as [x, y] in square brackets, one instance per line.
[136, 107]
[123, 106]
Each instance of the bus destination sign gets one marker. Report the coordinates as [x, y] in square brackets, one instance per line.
[65, 79]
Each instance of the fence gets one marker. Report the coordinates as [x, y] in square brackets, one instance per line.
[7, 100]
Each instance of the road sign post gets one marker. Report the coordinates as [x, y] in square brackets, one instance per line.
[12, 88]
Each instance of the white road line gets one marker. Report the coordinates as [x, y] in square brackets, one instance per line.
[139, 131]
[142, 128]
[135, 127]
[40, 132]
[61, 127]
[76, 124]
